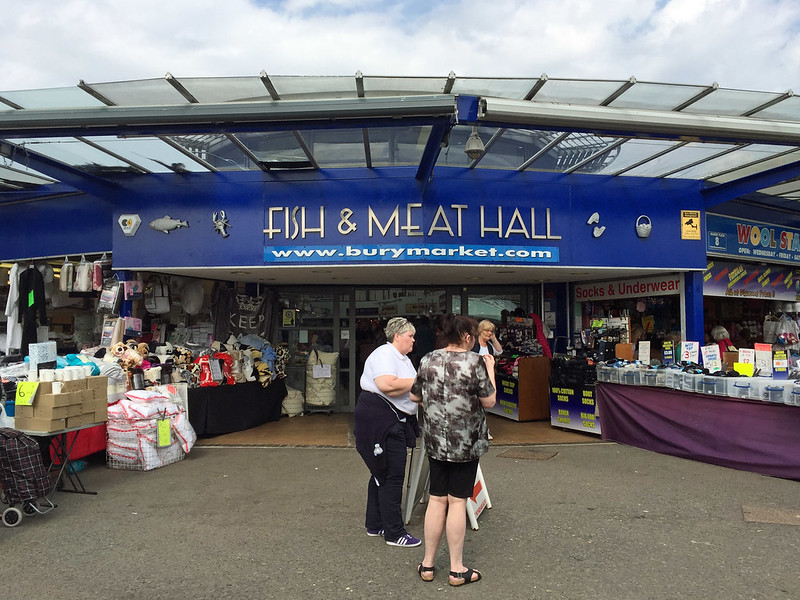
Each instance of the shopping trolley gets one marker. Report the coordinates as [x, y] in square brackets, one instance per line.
[25, 482]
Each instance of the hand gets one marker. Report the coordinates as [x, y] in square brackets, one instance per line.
[488, 359]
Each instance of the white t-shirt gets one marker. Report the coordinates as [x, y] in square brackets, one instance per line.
[387, 360]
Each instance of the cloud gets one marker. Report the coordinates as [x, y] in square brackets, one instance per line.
[738, 43]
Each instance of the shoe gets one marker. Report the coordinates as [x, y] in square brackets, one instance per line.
[465, 577]
[406, 540]
[421, 570]
[375, 532]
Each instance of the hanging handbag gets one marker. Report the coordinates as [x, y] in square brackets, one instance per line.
[156, 297]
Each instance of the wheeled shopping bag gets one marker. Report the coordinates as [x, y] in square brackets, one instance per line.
[25, 482]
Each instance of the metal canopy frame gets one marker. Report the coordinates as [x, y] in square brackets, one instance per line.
[529, 124]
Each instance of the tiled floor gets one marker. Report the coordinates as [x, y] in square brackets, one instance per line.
[336, 430]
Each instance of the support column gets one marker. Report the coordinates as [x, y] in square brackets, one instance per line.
[693, 288]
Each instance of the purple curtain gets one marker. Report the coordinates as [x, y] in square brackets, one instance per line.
[748, 435]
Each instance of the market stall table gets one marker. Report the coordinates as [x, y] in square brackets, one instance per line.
[748, 435]
[61, 446]
[228, 408]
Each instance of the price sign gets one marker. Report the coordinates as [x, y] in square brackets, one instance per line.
[690, 352]
[164, 433]
[26, 391]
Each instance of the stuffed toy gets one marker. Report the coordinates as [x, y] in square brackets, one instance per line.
[264, 373]
[263, 370]
[122, 354]
[182, 356]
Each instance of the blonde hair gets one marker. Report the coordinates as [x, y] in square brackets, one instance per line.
[485, 325]
[397, 326]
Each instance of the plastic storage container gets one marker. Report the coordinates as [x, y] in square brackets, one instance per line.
[794, 395]
[710, 384]
[740, 387]
[650, 377]
[661, 378]
[779, 391]
[603, 373]
[692, 382]
[758, 388]
[631, 377]
[673, 379]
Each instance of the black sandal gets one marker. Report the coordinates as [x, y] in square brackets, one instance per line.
[466, 577]
[421, 570]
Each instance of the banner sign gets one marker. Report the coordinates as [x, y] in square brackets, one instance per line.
[727, 236]
[666, 285]
[409, 233]
[751, 280]
[574, 408]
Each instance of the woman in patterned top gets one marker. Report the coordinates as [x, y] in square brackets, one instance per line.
[454, 386]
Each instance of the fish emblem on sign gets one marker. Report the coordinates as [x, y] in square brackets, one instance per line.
[167, 224]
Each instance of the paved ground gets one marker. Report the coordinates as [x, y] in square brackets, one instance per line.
[599, 521]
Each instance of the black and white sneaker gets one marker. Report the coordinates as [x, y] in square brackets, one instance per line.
[406, 540]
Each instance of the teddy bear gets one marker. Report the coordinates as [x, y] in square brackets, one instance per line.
[122, 354]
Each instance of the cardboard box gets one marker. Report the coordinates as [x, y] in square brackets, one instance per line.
[728, 358]
[87, 418]
[48, 412]
[97, 382]
[101, 413]
[39, 425]
[75, 385]
[55, 400]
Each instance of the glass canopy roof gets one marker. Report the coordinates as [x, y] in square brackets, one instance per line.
[38, 159]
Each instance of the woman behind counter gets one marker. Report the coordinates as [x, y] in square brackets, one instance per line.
[385, 427]
[454, 386]
[486, 341]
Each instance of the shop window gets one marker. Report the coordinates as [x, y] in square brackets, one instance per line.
[492, 306]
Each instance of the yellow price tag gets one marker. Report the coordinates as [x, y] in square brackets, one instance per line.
[164, 433]
[745, 369]
[26, 390]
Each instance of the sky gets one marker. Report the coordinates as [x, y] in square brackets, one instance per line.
[742, 44]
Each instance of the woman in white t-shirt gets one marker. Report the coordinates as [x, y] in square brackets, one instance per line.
[385, 427]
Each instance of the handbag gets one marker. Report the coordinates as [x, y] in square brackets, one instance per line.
[156, 297]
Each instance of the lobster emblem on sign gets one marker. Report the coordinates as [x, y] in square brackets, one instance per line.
[221, 223]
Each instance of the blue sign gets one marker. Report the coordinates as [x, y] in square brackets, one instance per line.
[403, 253]
[728, 236]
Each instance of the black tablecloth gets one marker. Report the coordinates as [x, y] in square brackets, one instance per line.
[229, 408]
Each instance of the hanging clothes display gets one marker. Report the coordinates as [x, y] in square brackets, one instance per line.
[83, 276]
[67, 276]
[14, 331]
[32, 305]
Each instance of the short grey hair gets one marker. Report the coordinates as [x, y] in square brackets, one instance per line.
[397, 326]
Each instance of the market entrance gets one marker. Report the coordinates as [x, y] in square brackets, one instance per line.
[349, 323]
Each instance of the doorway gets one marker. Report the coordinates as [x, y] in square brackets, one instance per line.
[350, 323]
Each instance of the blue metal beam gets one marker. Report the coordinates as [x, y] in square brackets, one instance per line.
[439, 133]
[78, 180]
[724, 192]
